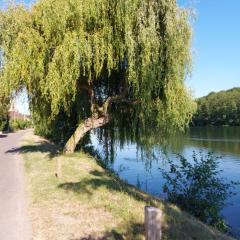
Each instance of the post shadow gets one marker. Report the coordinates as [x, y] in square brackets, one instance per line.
[3, 135]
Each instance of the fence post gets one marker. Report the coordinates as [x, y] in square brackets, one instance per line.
[58, 172]
[153, 223]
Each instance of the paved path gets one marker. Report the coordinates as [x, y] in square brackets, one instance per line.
[14, 224]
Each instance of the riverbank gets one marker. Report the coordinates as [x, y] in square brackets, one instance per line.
[88, 202]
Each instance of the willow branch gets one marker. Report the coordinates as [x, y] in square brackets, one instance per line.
[117, 98]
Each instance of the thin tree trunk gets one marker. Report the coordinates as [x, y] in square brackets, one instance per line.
[82, 129]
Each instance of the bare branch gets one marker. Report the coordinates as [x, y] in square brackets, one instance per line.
[117, 98]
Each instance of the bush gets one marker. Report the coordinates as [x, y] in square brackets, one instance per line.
[3, 124]
[19, 124]
[197, 188]
[3, 118]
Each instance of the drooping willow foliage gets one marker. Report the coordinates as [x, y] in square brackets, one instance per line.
[72, 55]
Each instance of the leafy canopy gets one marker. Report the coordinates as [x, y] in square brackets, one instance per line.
[136, 48]
[220, 108]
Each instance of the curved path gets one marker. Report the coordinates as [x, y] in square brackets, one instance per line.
[14, 224]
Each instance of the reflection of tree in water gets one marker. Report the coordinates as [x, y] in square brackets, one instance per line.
[217, 139]
[151, 145]
[119, 135]
[107, 141]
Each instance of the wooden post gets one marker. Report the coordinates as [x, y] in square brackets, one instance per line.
[153, 223]
[58, 172]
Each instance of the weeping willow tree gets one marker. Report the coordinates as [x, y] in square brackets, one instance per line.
[107, 60]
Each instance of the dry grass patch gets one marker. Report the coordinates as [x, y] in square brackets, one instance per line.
[89, 203]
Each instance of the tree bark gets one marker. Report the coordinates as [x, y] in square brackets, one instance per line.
[82, 129]
[94, 122]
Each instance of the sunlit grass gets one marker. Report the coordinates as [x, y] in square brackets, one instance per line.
[88, 202]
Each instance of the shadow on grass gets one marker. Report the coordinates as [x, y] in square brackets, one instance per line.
[43, 147]
[98, 179]
[131, 231]
[179, 225]
[109, 181]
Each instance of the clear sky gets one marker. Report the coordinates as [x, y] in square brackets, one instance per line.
[216, 45]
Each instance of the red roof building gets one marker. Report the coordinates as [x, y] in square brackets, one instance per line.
[14, 114]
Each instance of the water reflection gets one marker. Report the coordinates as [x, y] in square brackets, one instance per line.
[220, 139]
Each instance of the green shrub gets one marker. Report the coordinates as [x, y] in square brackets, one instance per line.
[2, 125]
[19, 124]
[197, 187]
[3, 117]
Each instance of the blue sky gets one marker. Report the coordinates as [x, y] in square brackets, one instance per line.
[3, 3]
[216, 45]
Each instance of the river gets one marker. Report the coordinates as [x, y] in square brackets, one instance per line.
[145, 173]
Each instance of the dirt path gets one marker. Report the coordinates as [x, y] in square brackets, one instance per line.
[14, 223]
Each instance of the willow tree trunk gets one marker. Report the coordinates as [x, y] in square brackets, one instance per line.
[82, 129]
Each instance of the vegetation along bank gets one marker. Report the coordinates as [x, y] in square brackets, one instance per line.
[219, 109]
[88, 202]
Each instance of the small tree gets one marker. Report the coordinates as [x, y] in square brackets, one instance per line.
[197, 187]
[99, 59]
[3, 112]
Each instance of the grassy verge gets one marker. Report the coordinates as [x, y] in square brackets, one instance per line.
[89, 203]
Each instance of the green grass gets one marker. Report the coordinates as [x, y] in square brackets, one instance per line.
[89, 203]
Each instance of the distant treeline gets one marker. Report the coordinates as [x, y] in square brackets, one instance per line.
[219, 109]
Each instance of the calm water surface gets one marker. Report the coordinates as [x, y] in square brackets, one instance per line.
[145, 173]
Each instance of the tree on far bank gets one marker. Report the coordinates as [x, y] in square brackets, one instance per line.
[219, 109]
[99, 61]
